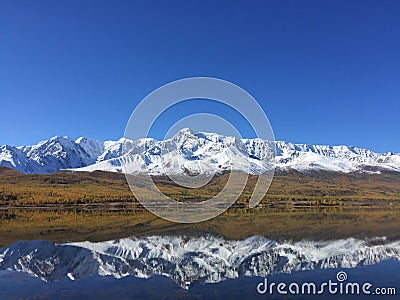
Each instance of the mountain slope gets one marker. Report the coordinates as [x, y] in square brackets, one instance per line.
[193, 153]
[46, 157]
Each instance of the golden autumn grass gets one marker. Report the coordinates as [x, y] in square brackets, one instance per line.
[74, 188]
[96, 206]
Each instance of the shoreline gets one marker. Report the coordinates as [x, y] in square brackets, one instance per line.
[60, 225]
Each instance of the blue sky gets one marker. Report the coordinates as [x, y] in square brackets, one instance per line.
[325, 72]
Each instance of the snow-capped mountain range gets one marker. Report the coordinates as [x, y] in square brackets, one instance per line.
[190, 152]
[189, 259]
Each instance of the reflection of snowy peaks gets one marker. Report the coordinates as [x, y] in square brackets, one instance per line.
[190, 152]
[187, 260]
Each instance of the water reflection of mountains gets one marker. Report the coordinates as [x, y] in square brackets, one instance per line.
[189, 259]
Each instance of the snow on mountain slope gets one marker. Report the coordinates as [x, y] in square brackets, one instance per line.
[46, 157]
[336, 158]
[93, 148]
[189, 259]
[190, 153]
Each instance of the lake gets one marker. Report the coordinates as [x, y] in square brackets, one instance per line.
[201, 267]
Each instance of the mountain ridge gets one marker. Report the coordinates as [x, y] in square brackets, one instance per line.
[187, 150]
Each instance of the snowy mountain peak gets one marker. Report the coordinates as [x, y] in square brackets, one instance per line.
[81, 139]
[184, 132]
[187, 150]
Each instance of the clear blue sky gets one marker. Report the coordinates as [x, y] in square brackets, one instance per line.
[325, 72]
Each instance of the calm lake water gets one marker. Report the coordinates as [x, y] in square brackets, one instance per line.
[205, 267]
